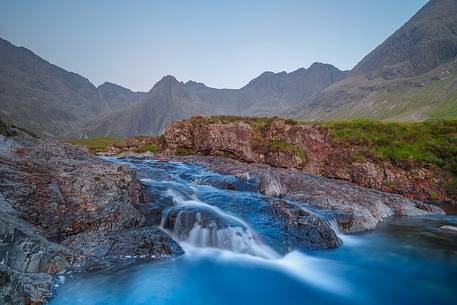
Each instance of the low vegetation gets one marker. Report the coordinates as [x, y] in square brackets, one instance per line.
[279, 146]
[430, 144]
[153, 148]
[98, 144]
[9, 130]
[424, 143]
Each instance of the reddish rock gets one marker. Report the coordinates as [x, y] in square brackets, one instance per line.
[323, 156]
[314, 140]
[286, 159]
[233, 138]
[179, 134]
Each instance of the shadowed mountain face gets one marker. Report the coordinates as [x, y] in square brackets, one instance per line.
[170, 100]
[47, 99]
[424, 42]
[411, 76]
[42, 97]
[117, 97]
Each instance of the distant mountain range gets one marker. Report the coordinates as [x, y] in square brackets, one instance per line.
[170, 100]
[49, 100]
[410, 76]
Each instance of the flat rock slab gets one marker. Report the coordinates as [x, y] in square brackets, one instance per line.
[363, 208]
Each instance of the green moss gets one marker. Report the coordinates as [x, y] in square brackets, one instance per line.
[451, 187]
[148, 148]
[278, 146]
[433, 195]
[281, 145]
[254, 122]
[184, 151]
[290, 122]
[98, 144]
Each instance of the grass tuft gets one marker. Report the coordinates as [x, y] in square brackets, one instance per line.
[97, 144]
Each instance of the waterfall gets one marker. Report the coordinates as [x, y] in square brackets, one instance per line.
[206, 231]
[347, 239]
[201, 225]
[334, 225]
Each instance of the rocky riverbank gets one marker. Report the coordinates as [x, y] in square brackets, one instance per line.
[367, 154]
[355, 208]
[61, 207]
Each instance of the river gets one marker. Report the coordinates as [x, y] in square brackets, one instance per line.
[234, 254]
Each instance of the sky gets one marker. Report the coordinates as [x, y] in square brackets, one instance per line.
[223, 44]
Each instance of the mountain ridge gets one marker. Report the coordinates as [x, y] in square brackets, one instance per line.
[412, 75]
[169, 100]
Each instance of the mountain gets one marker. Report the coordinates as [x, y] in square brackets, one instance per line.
[410, 76]
[117, 97]
[49, 100]
[170, 100]
[424, 42]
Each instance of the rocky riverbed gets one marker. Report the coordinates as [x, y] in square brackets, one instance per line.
[61, 208]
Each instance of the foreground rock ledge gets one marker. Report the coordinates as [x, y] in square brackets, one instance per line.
[355, 208]
[61, 207]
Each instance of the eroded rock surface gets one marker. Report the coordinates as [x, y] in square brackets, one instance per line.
[308, 147]
[355, 208]
[60, 207]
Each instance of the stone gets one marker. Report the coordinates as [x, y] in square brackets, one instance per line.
[61, 207]
[449, 229]
[355, 208]
[322, 155]
[304, 229]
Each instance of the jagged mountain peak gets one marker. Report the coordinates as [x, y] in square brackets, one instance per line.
[427, 40]
[194, 84]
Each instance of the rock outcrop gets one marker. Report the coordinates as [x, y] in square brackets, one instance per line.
[61, 207]
[310, 147]
[354, 208]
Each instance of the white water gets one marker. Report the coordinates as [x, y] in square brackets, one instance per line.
[241, 244]
[347, 239]
[239, 239]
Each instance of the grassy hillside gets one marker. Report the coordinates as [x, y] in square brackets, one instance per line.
[428, 142]
[433, 96]
[97, 144]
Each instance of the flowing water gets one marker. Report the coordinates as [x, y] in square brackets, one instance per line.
[234, 254]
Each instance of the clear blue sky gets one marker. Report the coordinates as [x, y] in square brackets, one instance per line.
[221, 43]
